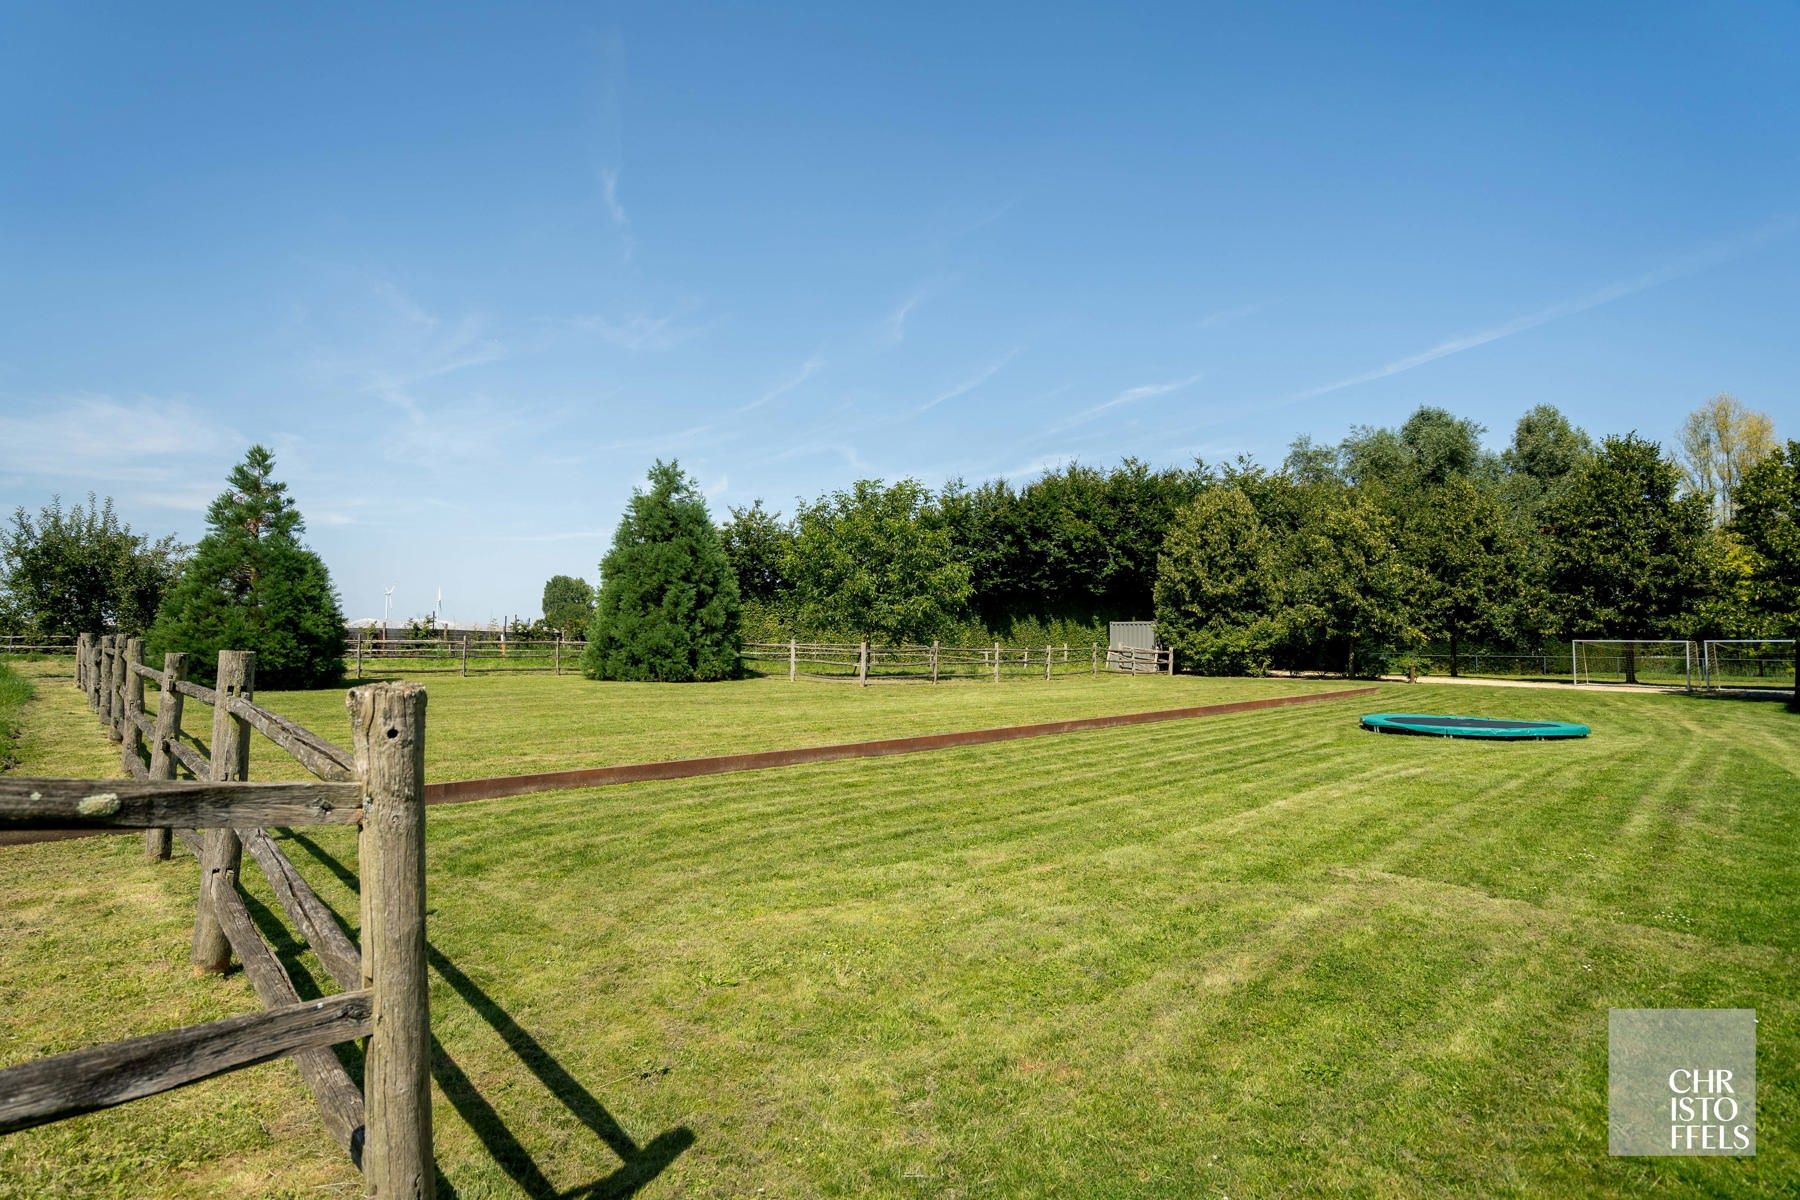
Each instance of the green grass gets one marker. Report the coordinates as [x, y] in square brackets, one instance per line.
[15, 690]
[1258, 955]
[515, 724]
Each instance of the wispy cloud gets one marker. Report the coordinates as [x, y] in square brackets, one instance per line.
[1038, 466]
[611, 151]
[1689, 264]
[968, 385]
[639, 331]
[1225, 316]
[154, 447]
[895, 325]
[661, 443]
[808, 369]
[609, 192]
[1131, 395]
[844, 451]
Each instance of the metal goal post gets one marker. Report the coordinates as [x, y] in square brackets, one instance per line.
[1712, 655]
[1635, 648]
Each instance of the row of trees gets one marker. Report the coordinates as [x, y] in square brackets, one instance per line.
[249, 584]
[1347, 556]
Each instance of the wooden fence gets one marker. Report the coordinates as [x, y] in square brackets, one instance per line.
[385, 1125]
[14, 644]
[863, 662]
[463, 655]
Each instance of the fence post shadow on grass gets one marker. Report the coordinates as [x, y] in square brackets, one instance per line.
[640, 1163]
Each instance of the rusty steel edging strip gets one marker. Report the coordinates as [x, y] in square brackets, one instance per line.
[463, 791]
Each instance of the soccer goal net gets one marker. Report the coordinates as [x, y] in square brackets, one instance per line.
[1748, 663]
[1604, 660]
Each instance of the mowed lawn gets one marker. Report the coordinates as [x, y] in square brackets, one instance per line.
[515, 724]
[1258, 955]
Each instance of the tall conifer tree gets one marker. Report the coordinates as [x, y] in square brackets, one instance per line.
[668, 609]
[252, 585]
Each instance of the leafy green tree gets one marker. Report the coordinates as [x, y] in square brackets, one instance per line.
[668, 610]
[1625, 557]
[1728, 607]
[758, 544]
[987, 536]
[81, 570]
[1349, 591]
[1431, 447]
[1473, 574]
[1216, 592]
[568, 604]
[1768, 520]
[1311, 463]
[1720, 442]
[877, 561]
[251, 585]
[1543, 457]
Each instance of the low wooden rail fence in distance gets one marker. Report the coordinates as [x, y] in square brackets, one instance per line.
[863, 662]
[16, 646]
[462, 655]
[384, 1125]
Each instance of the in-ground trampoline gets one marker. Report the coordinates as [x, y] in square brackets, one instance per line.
[1505, 729]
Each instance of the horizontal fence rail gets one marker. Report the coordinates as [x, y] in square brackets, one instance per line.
[82, 1081]
[462, 655]
[384, 1125]
[865, 662]
[17, 645]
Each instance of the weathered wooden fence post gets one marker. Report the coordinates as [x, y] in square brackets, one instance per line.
[131, 734]
[556, 651]
[359, 642]
[387, 728]
[465, 656]
[793, 660]
[221, 850]
[862, 664]
[1171, 661]
[934, 660]
[165, 735]
[1093, 658]
[105, 682]
[81, 653]
[996, 662]
[1049, 660]
[115, 690]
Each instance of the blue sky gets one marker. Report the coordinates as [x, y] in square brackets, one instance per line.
[470, 269]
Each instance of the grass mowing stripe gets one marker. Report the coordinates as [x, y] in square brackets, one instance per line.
[1332, 962]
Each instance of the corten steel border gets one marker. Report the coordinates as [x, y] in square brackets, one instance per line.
[464, 790]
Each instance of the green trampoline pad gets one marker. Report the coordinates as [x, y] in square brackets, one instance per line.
[1509, 729]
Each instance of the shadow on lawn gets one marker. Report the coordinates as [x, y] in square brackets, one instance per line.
[641, 1163]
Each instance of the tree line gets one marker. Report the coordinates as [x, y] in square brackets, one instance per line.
[1347, 556]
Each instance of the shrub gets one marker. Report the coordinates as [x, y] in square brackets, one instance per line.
[251, 585]
[668, 609]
